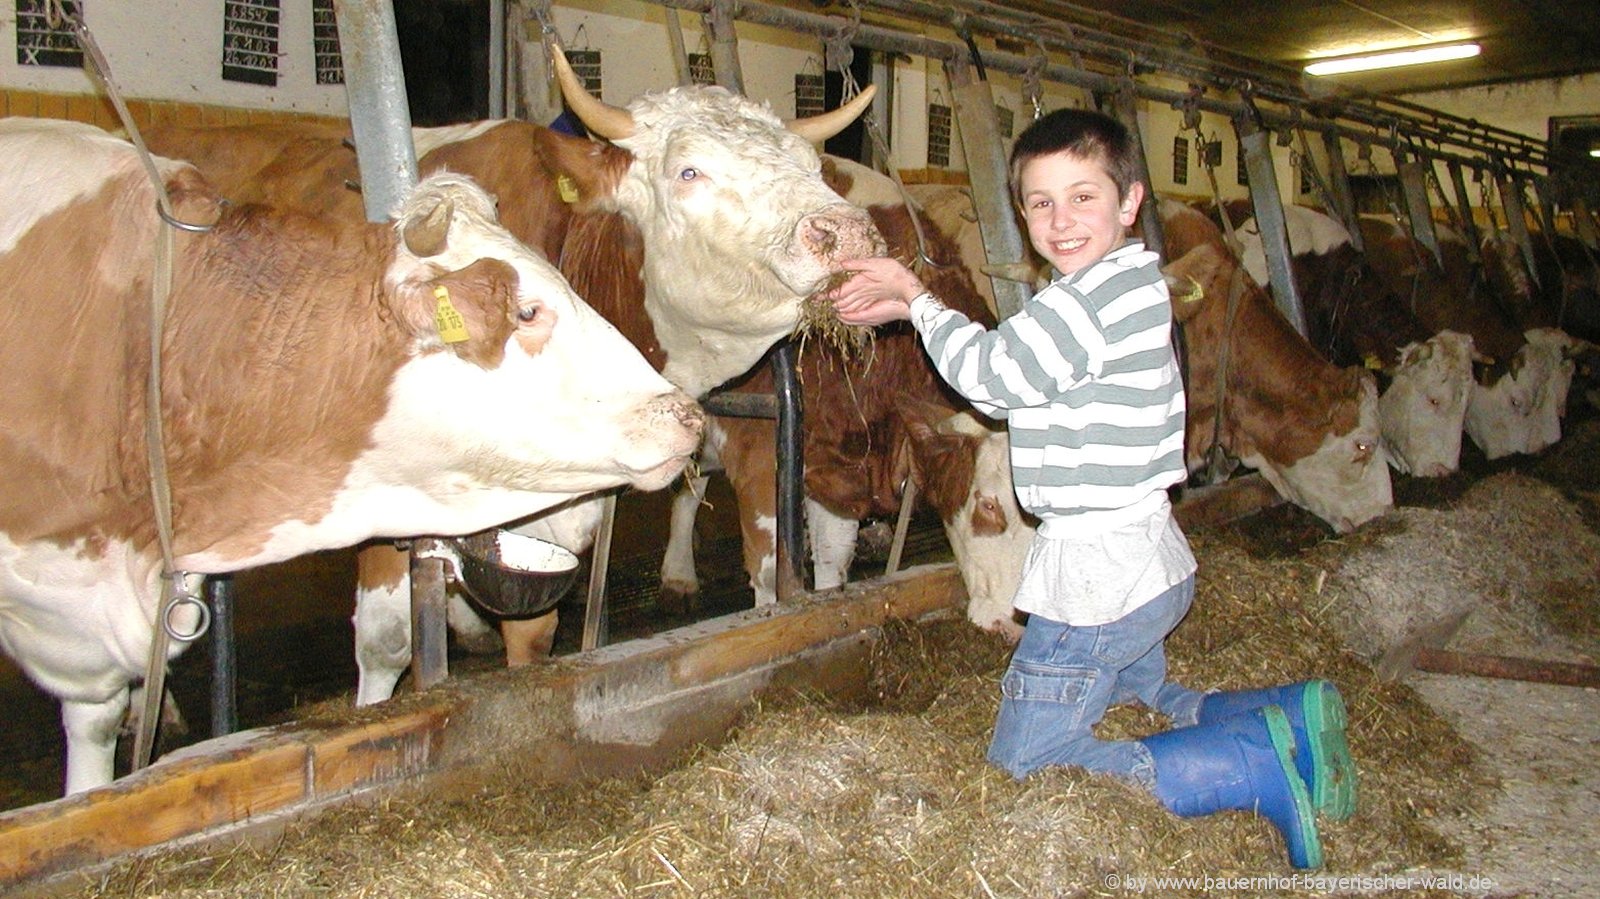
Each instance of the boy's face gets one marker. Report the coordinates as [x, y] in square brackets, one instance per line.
[1072, 209]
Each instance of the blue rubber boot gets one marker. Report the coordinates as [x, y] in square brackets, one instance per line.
[1245, 763]
[1322, 753]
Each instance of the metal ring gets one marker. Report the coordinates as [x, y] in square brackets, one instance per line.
[180, 224]
[200, 628]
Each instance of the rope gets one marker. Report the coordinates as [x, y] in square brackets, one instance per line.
[179, 594]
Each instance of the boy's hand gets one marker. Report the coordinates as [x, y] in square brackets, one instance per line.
[880, 291]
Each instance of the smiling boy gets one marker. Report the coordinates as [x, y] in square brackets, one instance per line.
[1088, 383]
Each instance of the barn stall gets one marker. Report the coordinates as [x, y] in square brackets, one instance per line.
[305, 766]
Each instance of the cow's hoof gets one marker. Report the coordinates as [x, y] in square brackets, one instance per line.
[678, 598]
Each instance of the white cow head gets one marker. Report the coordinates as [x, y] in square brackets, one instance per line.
[738, 226]
[1422, 412]
[1345, 480]
[1520, 411]
[963, 469]
[541, 395]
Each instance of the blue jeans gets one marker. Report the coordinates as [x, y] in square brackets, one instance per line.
[1063, 678]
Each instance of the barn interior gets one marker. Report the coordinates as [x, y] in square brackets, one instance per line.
[1524, 110]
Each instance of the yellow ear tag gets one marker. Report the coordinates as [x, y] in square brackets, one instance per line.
[1373, 362]
[567, 188]
[452, 327]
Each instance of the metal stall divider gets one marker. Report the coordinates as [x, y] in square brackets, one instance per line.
[1267, 202]
[1344, 201]
[1469, 225]
[1510, 187]
[1414, 192]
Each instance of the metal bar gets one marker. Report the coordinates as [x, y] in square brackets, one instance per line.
[741, 405]
[1469, 225]
[680, 53]
[430, 663]
[497, 59]
[1126, 107]
[1445, 661]
[1414, 190]
[902, 524]
[1510, 187]
[380, 120]
[539, 100]
[791, 472]
[595, 620]
[1268, 205]
[224, 657]
[1339, 182]
[718, 23]
[1588, 227]
[986, 169]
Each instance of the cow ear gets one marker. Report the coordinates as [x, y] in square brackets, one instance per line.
[471, 312]
[426, 232]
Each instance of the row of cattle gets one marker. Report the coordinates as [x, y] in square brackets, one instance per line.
[696, 228]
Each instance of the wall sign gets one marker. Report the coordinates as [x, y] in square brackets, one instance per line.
[325, 43]
[38, 44]
[250, 41]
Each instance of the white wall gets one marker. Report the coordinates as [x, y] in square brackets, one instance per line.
[1524, 107]
[172, 50]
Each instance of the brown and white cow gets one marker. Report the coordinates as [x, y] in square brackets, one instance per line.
[311, 397]
[1354, 319]
[698, 229]
[1309, 426]
[861, 415]
[1514, 405]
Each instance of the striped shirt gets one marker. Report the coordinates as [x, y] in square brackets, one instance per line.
[1086, 377]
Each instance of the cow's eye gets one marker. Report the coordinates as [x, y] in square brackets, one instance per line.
[1363, 450]
[688, 174]
[527, 314]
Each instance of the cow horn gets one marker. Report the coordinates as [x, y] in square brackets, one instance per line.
[609, 122]
[822, 126]
[429, 235]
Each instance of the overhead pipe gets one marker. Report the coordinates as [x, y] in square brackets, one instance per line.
[895, 41]
[1218, 67]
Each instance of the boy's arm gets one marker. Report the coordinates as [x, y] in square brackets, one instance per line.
[995, 370]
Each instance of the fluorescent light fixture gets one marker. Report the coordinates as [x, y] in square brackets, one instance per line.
[1595, 153]
[1391, 58]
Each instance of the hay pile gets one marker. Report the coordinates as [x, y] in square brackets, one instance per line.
[811, 800]
[1512, 552]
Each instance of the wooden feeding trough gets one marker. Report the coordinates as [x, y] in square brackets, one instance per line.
[621, 708]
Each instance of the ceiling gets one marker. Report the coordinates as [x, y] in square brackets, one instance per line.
[1521, 39]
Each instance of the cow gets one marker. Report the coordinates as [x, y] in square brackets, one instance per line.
[860, 417]
[1309, 426]
[1513, 407]
[322, 382]
[698, 227]
[1354, 319]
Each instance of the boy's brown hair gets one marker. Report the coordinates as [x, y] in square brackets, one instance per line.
[1082, 133]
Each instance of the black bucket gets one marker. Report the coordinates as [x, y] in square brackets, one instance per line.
[513, 575]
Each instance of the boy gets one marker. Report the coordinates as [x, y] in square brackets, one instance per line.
[1087, 380]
